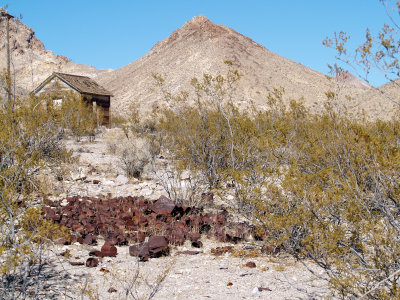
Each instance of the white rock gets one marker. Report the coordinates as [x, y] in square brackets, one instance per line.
[187, 272]
[79, 175]
[108, 182]
[147, 192]
[185, 175]
[64, 202]
[230, 197]
[255, 292]
[121, 180]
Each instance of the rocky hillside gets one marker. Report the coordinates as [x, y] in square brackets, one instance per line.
[201, 46]
[31, 62]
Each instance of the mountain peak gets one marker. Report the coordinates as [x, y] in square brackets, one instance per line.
[200, 19]
[203, 25]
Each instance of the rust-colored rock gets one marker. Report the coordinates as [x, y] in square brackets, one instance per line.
[92, 262]
[125, 216]
[76, 263]
[89, 239]
[188, 252]
[250, 264]
[163, 206]
[207, 198]
[197, 244]
[95, 253]
[63, 241]
[141, 251]
[177, 237]
[158, 246]
[270, 250]
[108, 250]
[124, 219]
[139, 236]
[194, 236]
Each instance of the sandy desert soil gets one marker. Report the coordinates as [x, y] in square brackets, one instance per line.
[201, 276]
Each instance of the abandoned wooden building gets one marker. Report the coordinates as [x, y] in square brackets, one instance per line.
[58, 84]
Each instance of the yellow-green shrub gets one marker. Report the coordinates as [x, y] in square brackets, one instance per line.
[323, 186]
[29, 140]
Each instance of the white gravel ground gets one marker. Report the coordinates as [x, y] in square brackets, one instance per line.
[201, 276]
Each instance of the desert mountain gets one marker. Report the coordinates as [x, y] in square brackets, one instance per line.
[201, 46]
[31, 63]
[198, 47]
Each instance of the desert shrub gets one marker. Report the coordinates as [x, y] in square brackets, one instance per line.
[77, 116]
[29, 141]
[118, 120]
[133, 151]
[337, 203]
[134, 157]
[324, 186]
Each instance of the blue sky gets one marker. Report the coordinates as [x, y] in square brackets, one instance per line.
[111, 34]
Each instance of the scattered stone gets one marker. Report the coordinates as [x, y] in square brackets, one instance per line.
[229, 284]
[197, 244]
[108, 250]
[158, 246]
[188, 252]
[78, 176]
[90, 239]
[185, 175]
[221, 250]
[111, 290]
[261, 289]
[194, 236]
[76, 263]
[163, 206]
[141, 251]
[121, 180]
[251, 264]
[207, 198]
[122, 219]
[270, 250]
[147, 192]
[92, 262]
[63, 241]
[230, 197]
[255, 292]
[96, 181]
